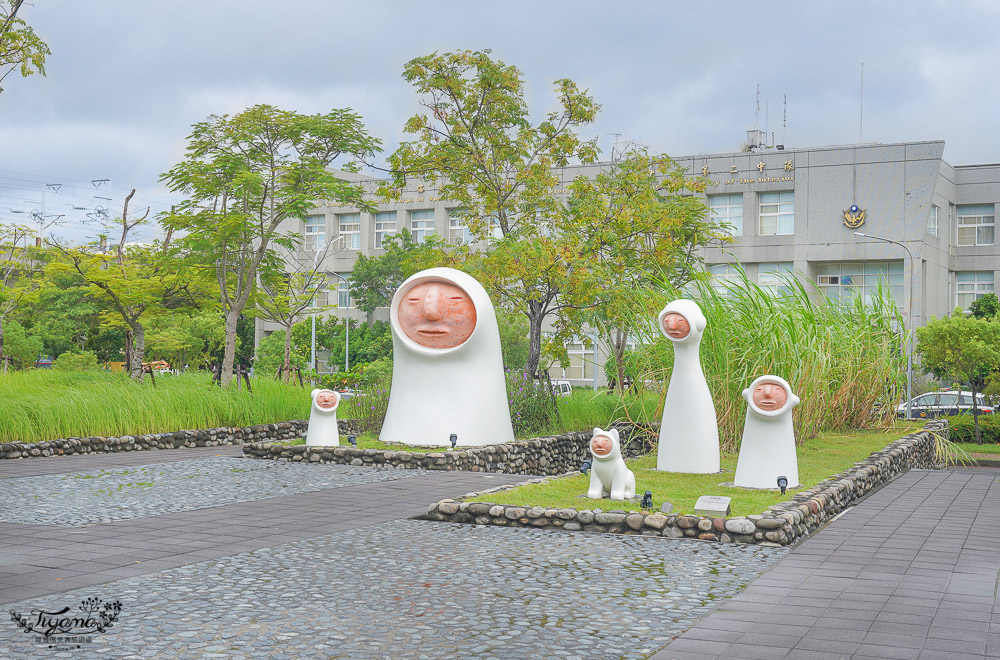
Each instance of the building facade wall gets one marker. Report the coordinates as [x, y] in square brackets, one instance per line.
[898, 186]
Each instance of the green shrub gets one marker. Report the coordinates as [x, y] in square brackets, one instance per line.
[367, 409]
[82, 361]
[532, 408]
[962, 429]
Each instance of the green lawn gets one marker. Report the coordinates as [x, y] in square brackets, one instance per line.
[973, 448]
[370, 441]
[819, 459]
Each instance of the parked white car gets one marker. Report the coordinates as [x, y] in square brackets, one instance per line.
[943, 404]
[562, 387]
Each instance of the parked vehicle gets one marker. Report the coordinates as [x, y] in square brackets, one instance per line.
[944, 403]
[562, 387]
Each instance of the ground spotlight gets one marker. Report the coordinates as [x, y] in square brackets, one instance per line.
[352, 440]
[647, 500]
[454, 439]
[586, 466]
[782, 484]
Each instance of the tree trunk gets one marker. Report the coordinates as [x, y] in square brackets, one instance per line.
[288, 348]
[535, 318]
[618, 346]
[975, 411]
[229, 355]
[138, 351]
[128, 350]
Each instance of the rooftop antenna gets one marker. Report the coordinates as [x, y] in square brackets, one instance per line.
[784, 120]
[861, 121]
[756, 116]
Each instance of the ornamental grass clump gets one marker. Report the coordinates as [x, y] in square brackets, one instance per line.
[842, 358]
[367, 409]
[532, 404]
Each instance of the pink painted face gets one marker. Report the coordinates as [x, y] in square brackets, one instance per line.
[676, 326]
[437, 315]
[601, 445]
[327, 399]
[769, 396]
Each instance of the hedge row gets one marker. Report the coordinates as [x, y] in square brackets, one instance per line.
[962, 429]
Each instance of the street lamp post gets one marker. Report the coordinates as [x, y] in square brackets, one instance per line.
[347, 328]
[909, 317]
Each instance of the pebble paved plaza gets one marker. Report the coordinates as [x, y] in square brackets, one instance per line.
[212, 555]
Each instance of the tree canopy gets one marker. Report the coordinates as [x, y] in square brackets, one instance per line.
[20, 48]
[245, 175]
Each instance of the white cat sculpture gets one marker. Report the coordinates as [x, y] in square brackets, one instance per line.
[768, 448]
[609, 474]
[689, 433]
[323, 431]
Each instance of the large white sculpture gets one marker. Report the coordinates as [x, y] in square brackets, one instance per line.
[323, 431]
[609, 476]
[447, 368]
[689, 433]
[768, 448]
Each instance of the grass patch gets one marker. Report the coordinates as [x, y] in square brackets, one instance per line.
[819, 459]
[983, 450]
[40, 405]
[370, 441]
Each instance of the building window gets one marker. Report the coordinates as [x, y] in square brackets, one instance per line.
[385, 225]
[972, 285]
[321, 298]
[934, 221]
[421, 225]
[344, 290]
[845, 281]
[728, 209]
[315, 232]
[724, 276]
[975, 224]
[773, 277]
[458, 233]
[581, 362]
[777, 213]
[350, 230]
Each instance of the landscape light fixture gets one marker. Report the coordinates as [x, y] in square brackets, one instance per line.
[454, 439]
[782, 484]
[647, 500]
[586, 466]
[353, 440]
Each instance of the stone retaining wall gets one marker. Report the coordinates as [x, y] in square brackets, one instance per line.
[552, 455]
[172, 440]
[780, 525]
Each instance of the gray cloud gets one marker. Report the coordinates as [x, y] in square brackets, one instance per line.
[126, 80]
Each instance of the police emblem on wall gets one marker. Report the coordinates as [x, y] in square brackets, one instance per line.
[854, 217]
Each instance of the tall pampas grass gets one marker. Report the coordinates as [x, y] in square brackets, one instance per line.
[843, 359]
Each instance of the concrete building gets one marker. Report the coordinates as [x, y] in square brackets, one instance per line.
[791, 211]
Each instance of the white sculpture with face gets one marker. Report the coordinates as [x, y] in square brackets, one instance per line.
[323, 431]
[447, 371]
[689, 433]
[609, 476]
[768, 447]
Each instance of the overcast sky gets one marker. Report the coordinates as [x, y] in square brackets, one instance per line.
[127, 78]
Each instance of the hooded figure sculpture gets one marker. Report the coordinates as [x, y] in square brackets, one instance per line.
[323, 431]
[689, 433]
[768, 448]
[447, 368]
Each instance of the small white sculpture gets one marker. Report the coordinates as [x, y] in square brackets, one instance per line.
[447, 367]
[323, 431]
[689, 432]
[608, 474]
[768, 448]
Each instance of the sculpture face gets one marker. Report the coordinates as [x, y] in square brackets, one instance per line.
[326, 399]
[676, 326]
[601, 445]
[437, 315]
[769, 396]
